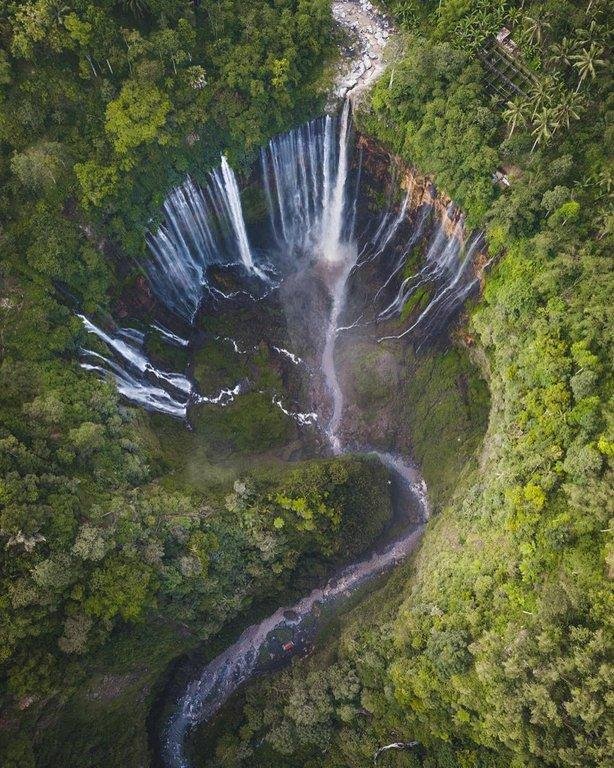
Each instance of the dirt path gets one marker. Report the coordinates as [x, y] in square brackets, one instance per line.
[370, 31]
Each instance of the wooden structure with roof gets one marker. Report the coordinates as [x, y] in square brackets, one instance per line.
[507, 75]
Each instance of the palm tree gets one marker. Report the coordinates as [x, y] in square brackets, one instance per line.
[544, 127]
[136, 7]
[570, 108]
[563, 52]
[605, 181]
[536, 29]
[595, 7]
[588, 35]
[540, 95]
[516, 115]
[514, 16]
[59, 11]
[587, 62]
[406, 14]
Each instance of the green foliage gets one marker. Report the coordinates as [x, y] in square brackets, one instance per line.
[39, 166]
[491, 648]
[446, 407]
[433, 110]
[103, 107]
[136, 116]
[252, 423]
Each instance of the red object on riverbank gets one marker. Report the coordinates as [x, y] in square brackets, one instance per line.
[289, 646]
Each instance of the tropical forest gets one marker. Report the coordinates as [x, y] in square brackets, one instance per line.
[306, 384]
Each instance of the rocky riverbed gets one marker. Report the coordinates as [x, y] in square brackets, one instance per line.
[363, 55]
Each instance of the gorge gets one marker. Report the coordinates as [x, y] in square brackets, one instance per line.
[305, 384]
[312, 179]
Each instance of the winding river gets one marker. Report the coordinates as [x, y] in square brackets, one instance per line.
[334, 247]
[311, 182]
[235, 666]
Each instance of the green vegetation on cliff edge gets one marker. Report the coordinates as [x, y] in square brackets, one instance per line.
[491, 647]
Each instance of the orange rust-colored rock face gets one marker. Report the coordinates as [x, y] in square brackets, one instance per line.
[480, 262]
[378, 161]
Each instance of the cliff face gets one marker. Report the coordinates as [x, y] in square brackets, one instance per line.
[383, 167]
[418, 396]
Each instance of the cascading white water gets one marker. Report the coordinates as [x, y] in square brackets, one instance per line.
[312, 209]
[305, 174]
[135, 377]
[226, 182]
[309, 212]
[312, 212]
[334, 212]
[202, 227]
[338, 290]
[447, 272]
[134, 389]
[169, 336]
[141, 382]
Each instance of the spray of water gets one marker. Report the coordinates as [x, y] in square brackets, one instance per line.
[311, 211]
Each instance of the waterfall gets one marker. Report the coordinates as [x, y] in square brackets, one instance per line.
[334, 213]
[148, 396]
[447, 274]
[226, 182]
[305, 173]
[312, 186]
[312, 193]
[135, 377]
[169, 336]
[305, 176]
[139, 380]
[460, 281]
[202, 227]
[338, 293]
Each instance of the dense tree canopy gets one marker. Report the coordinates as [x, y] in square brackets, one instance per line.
[103, 106]
[492, 647]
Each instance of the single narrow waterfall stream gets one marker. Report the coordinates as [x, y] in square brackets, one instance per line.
[311, 179]
[338, 285]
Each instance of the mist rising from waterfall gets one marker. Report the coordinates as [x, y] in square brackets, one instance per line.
[311, 206]
[313, 187]
[311, 179]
